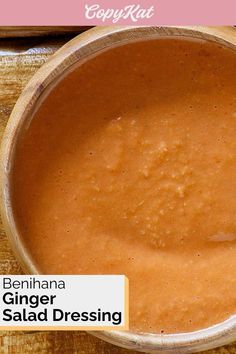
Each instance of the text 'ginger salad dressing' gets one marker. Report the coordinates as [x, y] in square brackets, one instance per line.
[129, 167]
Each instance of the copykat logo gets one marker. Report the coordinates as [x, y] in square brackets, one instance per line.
[129, 12]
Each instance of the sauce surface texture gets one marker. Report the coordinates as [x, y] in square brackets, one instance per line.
[129, 167]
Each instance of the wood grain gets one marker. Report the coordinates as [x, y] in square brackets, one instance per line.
[36, 31]
[19, 59]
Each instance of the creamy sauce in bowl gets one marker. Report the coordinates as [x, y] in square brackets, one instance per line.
[129, 167]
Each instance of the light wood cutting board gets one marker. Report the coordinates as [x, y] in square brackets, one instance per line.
[19, 59]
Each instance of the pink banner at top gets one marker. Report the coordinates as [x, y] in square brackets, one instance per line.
[117, 12]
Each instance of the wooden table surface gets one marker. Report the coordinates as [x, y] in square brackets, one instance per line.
[19, 59]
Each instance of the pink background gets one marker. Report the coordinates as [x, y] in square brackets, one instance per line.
[71, 12]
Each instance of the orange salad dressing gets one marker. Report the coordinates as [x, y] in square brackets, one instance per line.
[129, 167]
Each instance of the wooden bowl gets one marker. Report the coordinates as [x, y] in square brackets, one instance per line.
[75, 52]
